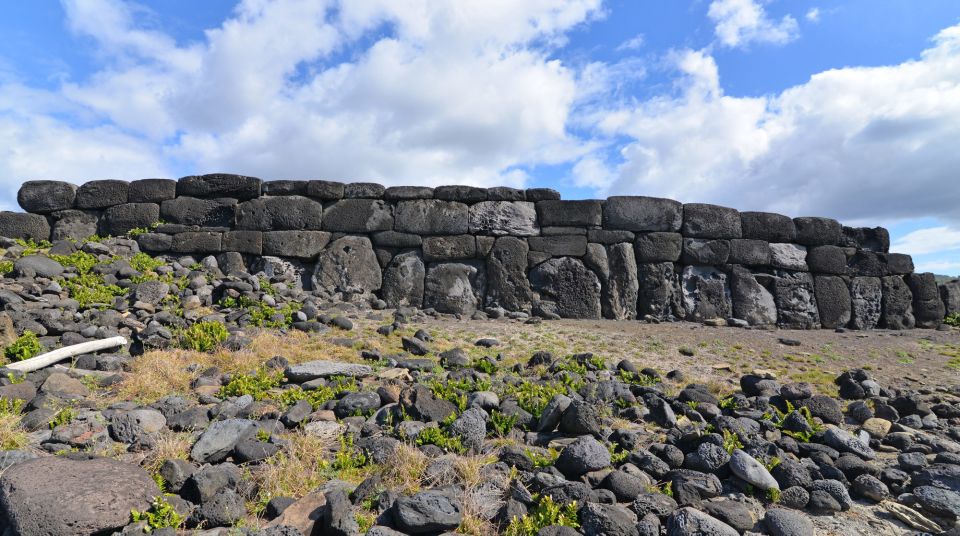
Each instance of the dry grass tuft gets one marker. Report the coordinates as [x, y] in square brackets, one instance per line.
[405, 469]
[12, 435]
[170, 446]
[295, 471]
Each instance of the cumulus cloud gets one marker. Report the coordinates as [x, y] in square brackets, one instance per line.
[399, 91]
[741, 22]
[813, 14]
[929, 240]
[854, 143]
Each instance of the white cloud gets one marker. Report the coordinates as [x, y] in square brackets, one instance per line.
[854, 143]
[813, 14]
[938, 267]
[634, 43]
[450, 92]
[929, 240]
[741, 22]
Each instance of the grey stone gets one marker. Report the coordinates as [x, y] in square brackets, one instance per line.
[552, 412]
[866, 263]
[37, 266]
[767, 226]
[471, 427]
[817, 231]
[152, 292]
[348, 264]
[325, 190]
[357, 403]
[197, 242]
[311, 370]
[896, 303]
[569, 284]
[658, 247]
[583, 455]
[498, 218]
[928, 309]
[949, 295]
[751, 471]
[59, 496]
[897, 263]
[750, 300]
[431, 217]
[870, 238]
[101, 194]
[284, 187]
[577, 213]
[870, 487]
[151, 190]
[749, 252]
[620, 293]
[507, 284]
[427, 512]
[796, 301]
[73, 225]
[559, 246]
[658, 295]
[204, 212]
[939, 501]
[358, 216]
[783, 522]
[287, 213]
[701, 220]
[249, 242]
[788, 257]
[705, 251]
[363, 190]
[403, 281]
[120, 219]
[155, 242]
[135, 425]
[394, 239]
[44, 197]
[444, 248]
[866, 302]
[827, 260]
[299, 244]
[217, 441]
[833, 301]
[610, 236]
[223, 509]
[219, 185]
[406, 193]
[505, 193]
[460, 192]
[454, 288]
[844, 441]
[541, 194]
[23, 225]
[635, 213]
[690, 522]
[704, 293]
[580, 418]
[608, 519]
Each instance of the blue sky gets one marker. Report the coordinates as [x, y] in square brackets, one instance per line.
[849, 109]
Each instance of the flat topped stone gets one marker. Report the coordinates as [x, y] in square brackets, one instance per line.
[320, 368]
[59, 496]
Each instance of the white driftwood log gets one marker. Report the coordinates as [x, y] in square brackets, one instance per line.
[55, 356]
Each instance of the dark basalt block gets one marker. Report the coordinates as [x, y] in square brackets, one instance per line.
[217, 185]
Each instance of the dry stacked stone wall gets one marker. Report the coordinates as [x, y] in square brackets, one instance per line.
[460, 249]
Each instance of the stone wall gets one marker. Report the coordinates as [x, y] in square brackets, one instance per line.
[460, 249]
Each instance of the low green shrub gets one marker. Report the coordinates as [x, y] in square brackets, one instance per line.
[25, 347]
[545, 514]
[160, 515]
[256, 385]
[203, 336]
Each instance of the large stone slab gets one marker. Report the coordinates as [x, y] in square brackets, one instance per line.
[702, 220]
[286, 213]
[897, 304]
[751, 301]
[705, 293]
[403, 281]
[870, 238]
[151, 190]
[431, 217]
[348, 264]
[507, 284]
[749, 252]
[499, 218]
[25, 226]
[813, 231]
[788, 257]
[866, 302]
[44, 197]
[195, 211]
[570, 285]
[658, 247]
[579, 213]
[454, 287]
[928, 309]
[358, 216]
[121, 219]
[767, 226]
[75, 224]
[796, 301]
[101, 194]
[311, 370]
[59, 496]
[833, 301]
[620, 292]
[219, 185]
[950, 296]
[298, 244]
[637, 213]
[658, 295]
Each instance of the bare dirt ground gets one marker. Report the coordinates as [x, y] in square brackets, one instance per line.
[913, 359]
